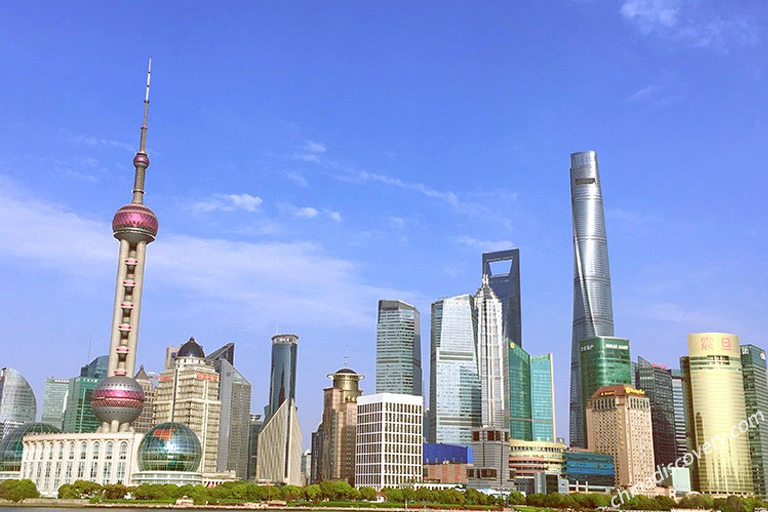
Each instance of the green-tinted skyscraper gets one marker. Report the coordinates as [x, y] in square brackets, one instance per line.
[79, 417]
[603, 361]
[756, 398]
[531, 396]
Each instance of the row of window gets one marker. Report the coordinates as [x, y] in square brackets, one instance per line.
[70, 451]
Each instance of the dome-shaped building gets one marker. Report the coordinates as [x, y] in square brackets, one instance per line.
[190, 349]
[170, 447]
[17, 401]
[11, 448]
[117, 399]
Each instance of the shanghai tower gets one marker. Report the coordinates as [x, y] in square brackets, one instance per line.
[592, 303]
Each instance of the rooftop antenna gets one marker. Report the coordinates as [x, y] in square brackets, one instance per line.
[141, 161]
[346, 355]
[143, 141]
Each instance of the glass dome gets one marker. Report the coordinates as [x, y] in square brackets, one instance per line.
[11, 447]
[170, 447]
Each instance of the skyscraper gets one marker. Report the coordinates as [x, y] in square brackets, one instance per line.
[188, 393]
[398, 348]
[520, 420]
[603, 361]
[681, 442]
[282, 382]
[543, 398]
[656, 381]
[254, 428]
[506, 286]
[714, 396]
[148, 384]
[592, 302]
[97, 368]
[454, 390]
[493, 360]
[54, 401]
[78, 415]
[619, 424]
[235, 398]
[339, 426]
[756, 398]
[17, 401]
[279, 442]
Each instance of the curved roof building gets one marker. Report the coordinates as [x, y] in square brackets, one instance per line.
[18, 404]
[11, 447]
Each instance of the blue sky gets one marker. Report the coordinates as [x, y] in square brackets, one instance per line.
[310, 158]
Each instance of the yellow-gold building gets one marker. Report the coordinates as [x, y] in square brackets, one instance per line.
[716, 414]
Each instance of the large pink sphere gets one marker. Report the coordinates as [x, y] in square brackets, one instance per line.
[135, 221]
[117, 398]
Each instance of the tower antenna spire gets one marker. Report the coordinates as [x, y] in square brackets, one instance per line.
[143, 141]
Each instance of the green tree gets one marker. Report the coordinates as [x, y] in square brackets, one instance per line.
[313, 493]
[292, 493]
[18, 490]
[366, 493]
[393, 495]
[697, 501]
[115, 491]
[516, 498]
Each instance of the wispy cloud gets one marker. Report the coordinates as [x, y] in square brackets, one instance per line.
[310, 152]
[695, 24]
[262, 282]
[314, 147]
[89, 140]
[229, 203]
[485, 245]
[307, 212]
[297, 178]
[644, 93]
[333, 215]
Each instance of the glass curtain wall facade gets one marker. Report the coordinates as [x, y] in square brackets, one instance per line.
[282, 381]
[506, 286]
[543, 398]
[756, 398]
[493, 360]
[592, 301]
[18, 404]
[604, 361]
[714, 396]
[656, 381]
[79, 417]
[520, 424]
[454, 393]
[398, 348]
[55, 401]
[681, 442]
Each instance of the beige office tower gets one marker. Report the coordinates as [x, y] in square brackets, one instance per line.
[618, 422]
[339, 424]
[144, 422]
[713, 389]
[279, 447]
[188, 393]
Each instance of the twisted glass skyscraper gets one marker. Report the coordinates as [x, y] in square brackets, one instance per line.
[592, 303]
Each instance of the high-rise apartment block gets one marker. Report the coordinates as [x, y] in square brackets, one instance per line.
[18, 404]
[603, 361]
[656, 381]
[148, 384]
[188, 393]
[339, 427]
[714, 395]
[55, 401]
[398, 348]
[389, 440]
[504, 279]
[619, 424]
[592, 301]
[756, 399]
[454, 391]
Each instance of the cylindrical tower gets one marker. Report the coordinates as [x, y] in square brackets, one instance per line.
[592, 302]
[282, 383]
[118, 399]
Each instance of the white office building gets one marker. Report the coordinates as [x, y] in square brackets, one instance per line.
[389, 440]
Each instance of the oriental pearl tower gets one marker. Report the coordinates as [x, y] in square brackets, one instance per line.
[117, 401]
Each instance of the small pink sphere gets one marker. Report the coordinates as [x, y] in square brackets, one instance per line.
[141, 160]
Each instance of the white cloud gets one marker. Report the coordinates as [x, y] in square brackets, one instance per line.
[334, 215]
[307, 212]
[314, 147]
[297, 178]
[692, 23]
[306, 157]
[88, 140]
[644, 93]
[485, 245]
[261, 282]
[229, 203]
